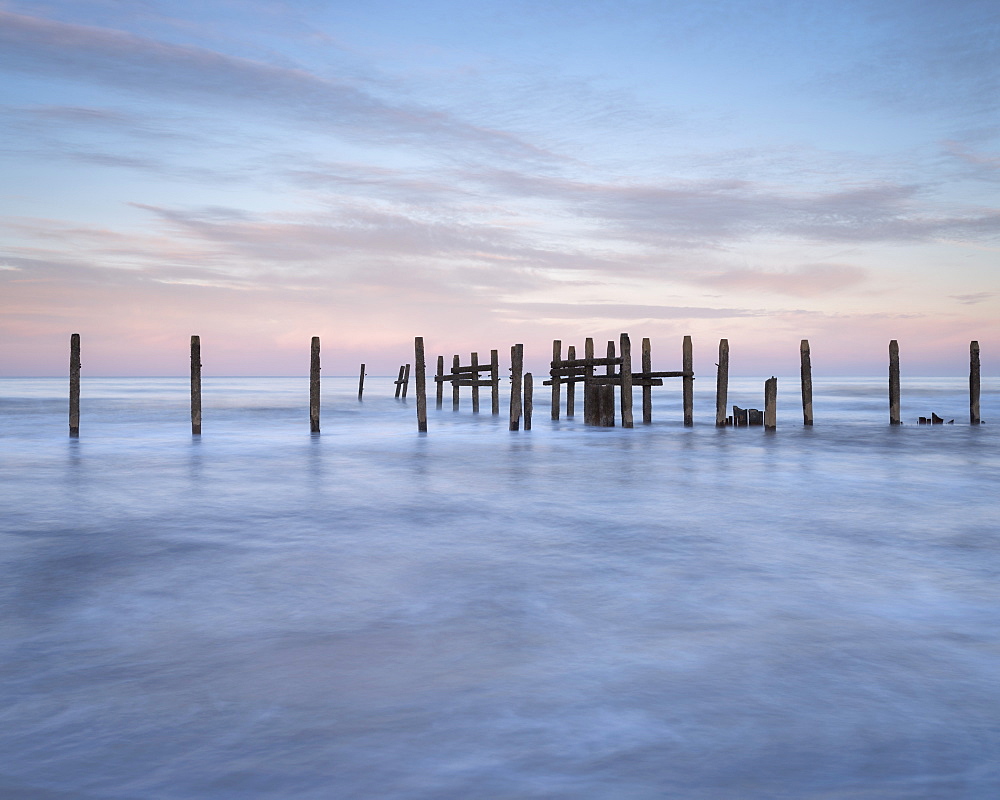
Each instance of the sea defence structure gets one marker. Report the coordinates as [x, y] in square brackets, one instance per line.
[603, 380]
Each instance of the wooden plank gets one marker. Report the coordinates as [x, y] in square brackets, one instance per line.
[687, 364]
[420, 364]
[974, 384]
[647, 388]
[495, 379]
[626, 380]
[771, 404]
[807, 382]
[722, 384]
[399, 381]
[894, 406]
[564, 367]
[475, 384]
[516, 371]
[361, 382]
[571, 386]
[74, 385]
[529, 395]
[439, 378]
[471, 383]
[314, 369]
[196, 386]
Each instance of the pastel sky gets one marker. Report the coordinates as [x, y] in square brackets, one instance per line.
[485, 173]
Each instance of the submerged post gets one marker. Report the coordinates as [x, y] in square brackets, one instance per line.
[314, 385]
[495, 380]
[894, 383]
[421, 367]
[807, 382]
[688, 379]
[626, 376]
[722, 384]
[361, 382]
[647, 389]
[556, 359]
[406, 379]
[571, 386]
[196, 385]
[974, 383]
[475, 383]
[399, 380]
[74, 385]
[529, 403]
[771, 404]
[516, 370]
[439, 389]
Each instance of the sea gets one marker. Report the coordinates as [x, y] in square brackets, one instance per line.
[473, 613]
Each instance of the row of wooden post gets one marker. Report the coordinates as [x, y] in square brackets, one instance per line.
[522, 385]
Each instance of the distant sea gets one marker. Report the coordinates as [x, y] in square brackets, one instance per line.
[567, 612]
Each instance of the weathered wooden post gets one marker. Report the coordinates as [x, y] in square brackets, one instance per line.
[722, 384]
[556, 359]
[516, 370]
[456, 362]
[74, 385]
[529, 403]
[647, 388]
[588, 372]
[399, 380]
[610, 368]
[314, 385]
[688, 379]
[439, 389]
[626, 376]
[406, 379]
[475, 382]
[195, 385]
[571, 386]
[361, 382]
[495, 380]
[974, 383]
[771, 404]
[421, 367]
[807, 382]
[894, 383]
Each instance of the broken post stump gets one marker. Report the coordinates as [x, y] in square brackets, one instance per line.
[805, 368]
[688, 366]
[894, 383]
[399, 380]
[722, 384]
[421, 368]
[361, 382]
[195, 385]
[406, 379]
[529, 403]
[771, 404]
[974, 385]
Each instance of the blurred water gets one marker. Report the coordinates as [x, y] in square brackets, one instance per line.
[568, 612]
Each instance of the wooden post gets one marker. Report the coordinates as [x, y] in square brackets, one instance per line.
[588, 372]
[421, 367]
[406, 379]
[495, 379]
[606, 406]
[807, 383]
[626, 376]
[456, 362]
[399, 381]
[361, 382]
[722, 384]
[475, 383]
[74, 385]
[771, 404]
[196, 385]
[571, 386]
[647, 391]
[894, 383]
[556, 358]
[974, 383]
[439, 389]
[610, 368]
[688, 367]
[314, 385]
[529, 404]
[516, 370]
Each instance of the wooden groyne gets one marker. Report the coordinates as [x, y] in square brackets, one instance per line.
[604, 380]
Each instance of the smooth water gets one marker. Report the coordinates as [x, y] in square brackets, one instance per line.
[570, 612]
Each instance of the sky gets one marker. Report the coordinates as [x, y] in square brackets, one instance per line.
[489, 173]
